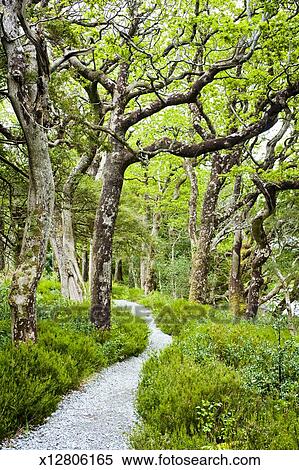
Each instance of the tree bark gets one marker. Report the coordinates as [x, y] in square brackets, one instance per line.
[56, 240]
[201, 257]
[133, 274]
[2, 244]
[118, 273]
[221, 165]
[235, 281]
[72, 286]
[18, 217]
[150, 282]
[112, 182]
[85, 265]
[143, 267]
[31, 261]
[236, 298]
[28, 76]
[90, 262]
[192, 225]
[261, 253]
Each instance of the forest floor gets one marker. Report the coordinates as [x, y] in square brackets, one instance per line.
[101, 414]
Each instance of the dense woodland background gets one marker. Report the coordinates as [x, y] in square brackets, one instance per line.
[156, 144]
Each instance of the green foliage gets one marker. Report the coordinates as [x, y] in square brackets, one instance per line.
[128, 336]
[174, 275]
[4, 307]
[206, 391]
[35, 376]
[5, 336]
[124, 292]
[172, 314]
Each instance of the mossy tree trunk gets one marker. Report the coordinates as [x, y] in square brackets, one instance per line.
[236, 290]
[2, 244]
[201, 256]
[72, 285]
[85, 265]
[221, 165]
[118, 272]
[101, 285]
[27, 80]
[235, 282]
[193, 200]
[63, 240]
[262, 250]
[150, 281]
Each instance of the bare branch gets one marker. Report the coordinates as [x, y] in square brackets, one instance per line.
[68, 55]
[93, 75]
[269, 118]
[239, 57]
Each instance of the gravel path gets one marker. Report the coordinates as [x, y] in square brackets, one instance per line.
[101, 413]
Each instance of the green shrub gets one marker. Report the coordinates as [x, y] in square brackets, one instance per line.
[32, 382]
[4, 307]
[128, 336]
[218, 387]
[48, 286]
[50, 302]
[35, 376]
[120, 291]
[5, 333]
[172, 314]
[173, 378]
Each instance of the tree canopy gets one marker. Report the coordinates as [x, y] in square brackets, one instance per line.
[184, 116]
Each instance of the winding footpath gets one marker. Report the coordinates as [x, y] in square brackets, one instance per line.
[101, 414]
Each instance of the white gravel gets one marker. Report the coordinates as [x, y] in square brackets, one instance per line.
[101, 414]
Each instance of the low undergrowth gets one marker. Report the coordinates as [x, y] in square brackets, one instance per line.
[34, 377]
[170, 314]
[221, 386]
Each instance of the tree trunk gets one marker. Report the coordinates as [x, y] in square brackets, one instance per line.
[236, 294]
[201, 256]
[235, 282]
[85, 266]
[2, 244]
[261, 253]
[221, 165]
[133, 274]
[90, 271]
[112, 181]
[72, 286]
[27, 80]
[22, 298]
[118, 274]
[143, 267]
[150, 282]
[192, 225]
[18, 217]
[56, 241]
[63, 246]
